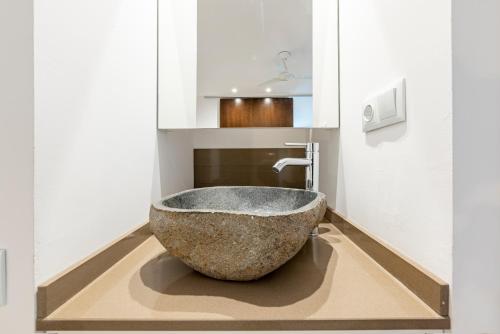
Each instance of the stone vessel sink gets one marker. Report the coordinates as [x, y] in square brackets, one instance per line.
[236, 233]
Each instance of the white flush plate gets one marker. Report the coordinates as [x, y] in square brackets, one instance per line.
[3, 277]
[385, 108]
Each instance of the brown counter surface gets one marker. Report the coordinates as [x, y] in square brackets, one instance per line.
[330, 284]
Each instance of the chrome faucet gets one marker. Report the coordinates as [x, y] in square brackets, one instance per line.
[311, 162]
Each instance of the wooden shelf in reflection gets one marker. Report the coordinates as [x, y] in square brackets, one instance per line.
[256, 112]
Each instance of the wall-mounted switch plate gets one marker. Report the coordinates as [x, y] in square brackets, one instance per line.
[385, 108]
[3, 277]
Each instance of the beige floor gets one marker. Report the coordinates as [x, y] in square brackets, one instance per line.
[329, 279]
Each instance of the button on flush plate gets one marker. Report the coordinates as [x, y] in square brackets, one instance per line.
[3, 277]
[385, 108]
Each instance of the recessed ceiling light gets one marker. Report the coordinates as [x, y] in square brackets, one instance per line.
[237, 100]
[234, 90]
[268, 90]
[267, 100]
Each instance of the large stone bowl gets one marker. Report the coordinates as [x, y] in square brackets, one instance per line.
[236, 233]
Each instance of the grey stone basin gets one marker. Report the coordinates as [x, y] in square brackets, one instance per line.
[236, 233]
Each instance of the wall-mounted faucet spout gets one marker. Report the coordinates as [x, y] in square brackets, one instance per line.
[311, 162]
[280, 164]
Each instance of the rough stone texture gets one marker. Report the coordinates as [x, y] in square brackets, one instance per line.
[236, 233]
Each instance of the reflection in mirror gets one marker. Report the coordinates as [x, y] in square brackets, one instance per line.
[254, 63]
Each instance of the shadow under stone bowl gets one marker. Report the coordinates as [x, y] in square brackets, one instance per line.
[236, 233]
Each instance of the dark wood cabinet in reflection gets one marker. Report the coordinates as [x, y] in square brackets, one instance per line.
[246, 167]
[256, 112]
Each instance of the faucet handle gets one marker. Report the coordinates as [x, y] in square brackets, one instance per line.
[296, 144]
[310, 147]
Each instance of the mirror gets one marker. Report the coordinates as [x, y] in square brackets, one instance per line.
[247, 63]
[254, 63]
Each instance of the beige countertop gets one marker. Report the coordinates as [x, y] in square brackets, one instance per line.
[330, 284]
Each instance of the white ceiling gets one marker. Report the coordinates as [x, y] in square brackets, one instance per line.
[238, 43]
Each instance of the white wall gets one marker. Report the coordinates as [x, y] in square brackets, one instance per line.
[396, 182]
[174, 168]
[97, 149]
[177, 66]
[328, 162]
[207, 112]
[16, 163]
[325, 64]
[247, 138]
[476, 167]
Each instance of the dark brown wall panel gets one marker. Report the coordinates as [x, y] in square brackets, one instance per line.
[256, 112]
[246, 167]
